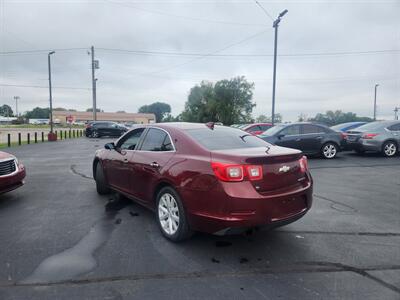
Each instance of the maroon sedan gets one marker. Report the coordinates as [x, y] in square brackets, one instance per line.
[12, 173]
[256, 128]
[201, 177]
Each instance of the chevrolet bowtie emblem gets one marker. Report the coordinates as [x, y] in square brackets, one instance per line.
[284, 169]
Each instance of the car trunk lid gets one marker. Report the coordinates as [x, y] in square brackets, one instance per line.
[281, 166]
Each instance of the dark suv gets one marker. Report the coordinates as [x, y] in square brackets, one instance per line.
[101, 128]
[308, 137]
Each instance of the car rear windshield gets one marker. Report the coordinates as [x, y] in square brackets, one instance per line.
[223, 138]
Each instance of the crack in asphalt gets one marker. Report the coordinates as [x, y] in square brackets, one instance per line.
[352, 166]
[380, 234]
[348, 208]
[300, 267]
[74, 171]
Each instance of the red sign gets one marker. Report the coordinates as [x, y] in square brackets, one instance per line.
[69, 119]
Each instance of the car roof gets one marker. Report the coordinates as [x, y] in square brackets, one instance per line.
[177, 125]
[350, 123]
[303, 123]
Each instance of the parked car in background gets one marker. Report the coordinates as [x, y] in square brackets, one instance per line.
[12, 172]
[380, 136]
[343, 127]
[204, 177]
[101, 128]
[256, 128]
[308, 137]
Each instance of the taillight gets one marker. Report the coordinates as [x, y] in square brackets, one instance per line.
[228, 172]
[369, 136]
[303, 164]
[232, 172]
[254, 172]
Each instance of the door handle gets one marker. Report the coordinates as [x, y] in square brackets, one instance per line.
[125, 160]
[319, 137]
[154, 165]
[298, 140]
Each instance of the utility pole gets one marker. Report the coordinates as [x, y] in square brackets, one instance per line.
[376, 87]
[16, 98]
[275, 25]
[50, 92]
[95, 65]
[396, 110]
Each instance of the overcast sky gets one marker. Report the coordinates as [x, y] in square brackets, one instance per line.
[332, 53]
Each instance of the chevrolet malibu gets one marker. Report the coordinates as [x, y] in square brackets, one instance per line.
[204, 177]
[12, 173]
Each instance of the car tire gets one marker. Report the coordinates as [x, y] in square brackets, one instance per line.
[101, 183]
[389, 149]
[95, 134]
[171, 215]
[329, 150]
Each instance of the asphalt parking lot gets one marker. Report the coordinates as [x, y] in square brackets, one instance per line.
[60, 240]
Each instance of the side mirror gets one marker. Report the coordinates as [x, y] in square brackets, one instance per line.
[109, 146]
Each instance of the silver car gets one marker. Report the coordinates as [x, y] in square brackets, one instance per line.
[380, 136]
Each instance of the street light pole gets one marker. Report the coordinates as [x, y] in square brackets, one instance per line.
[50, 92]
[95, 65]
[376, 87]
[275, 25]
[16, 98]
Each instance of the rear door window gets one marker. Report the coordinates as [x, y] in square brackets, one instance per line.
[310, 129]
[291, 130]
[157, 140]
[254, 128]
[395, 127]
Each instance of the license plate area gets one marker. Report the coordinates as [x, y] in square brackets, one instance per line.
[288, 207]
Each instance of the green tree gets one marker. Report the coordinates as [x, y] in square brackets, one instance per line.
[266, 119]
[170, 118]
[159, 109]
[336, 117]
[226, 101]
[302, 118]
[6, 111]
[38, 113]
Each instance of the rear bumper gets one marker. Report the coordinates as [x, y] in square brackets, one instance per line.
[236, 214]
[365, 145]
[9, 183]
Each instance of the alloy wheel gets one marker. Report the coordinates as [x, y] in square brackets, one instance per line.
[329, 151]
[390, 149]
[168, 214]
[95, 134]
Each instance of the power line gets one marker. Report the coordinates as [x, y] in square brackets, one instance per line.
[40, 51]
[211, 53]
[44, 87]
[197, 54]
[162, 13]
[264, 10]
